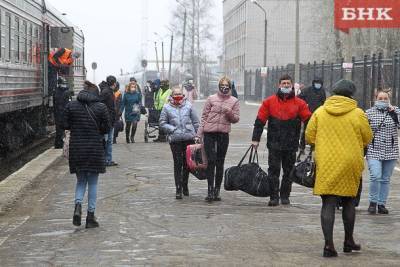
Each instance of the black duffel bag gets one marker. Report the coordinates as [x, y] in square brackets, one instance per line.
[303, 172]
[249, 178]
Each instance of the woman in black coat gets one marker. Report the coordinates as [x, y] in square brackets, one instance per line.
[87, 119]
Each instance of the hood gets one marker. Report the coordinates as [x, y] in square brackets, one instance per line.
[87, 97]
[339, 105]
[156, 83]
[317, 80]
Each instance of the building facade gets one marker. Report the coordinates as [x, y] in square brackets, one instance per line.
[244, 34]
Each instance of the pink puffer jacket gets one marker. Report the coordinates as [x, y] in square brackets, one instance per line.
[219, 112]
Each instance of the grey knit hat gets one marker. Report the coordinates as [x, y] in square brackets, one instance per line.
[344, 88]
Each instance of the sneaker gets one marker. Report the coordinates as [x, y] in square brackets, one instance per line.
[273, 202]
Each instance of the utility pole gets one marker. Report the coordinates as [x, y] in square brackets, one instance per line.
[198, 84]
[170, 57]
[183, 38]
[162, 62]
[158, 65]
[297, 57]
[193, 34]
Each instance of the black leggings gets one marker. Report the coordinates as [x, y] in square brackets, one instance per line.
[131, 127]
[181, 172]
[216, 146]
[328, 217]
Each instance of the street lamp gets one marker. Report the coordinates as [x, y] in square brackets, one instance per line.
[162, 54]
[184, 32]
[265, 44]
[265, 30]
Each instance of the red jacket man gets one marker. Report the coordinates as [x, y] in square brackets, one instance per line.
[284, 113]
[62, 57]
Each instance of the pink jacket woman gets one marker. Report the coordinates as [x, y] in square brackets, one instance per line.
[220, 111]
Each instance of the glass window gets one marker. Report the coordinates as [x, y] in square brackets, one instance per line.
[16, 40]
[7, 39]
[24, 41]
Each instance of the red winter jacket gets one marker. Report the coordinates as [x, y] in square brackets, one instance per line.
[284, 114]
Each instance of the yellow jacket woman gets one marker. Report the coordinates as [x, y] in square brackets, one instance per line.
[340, 131]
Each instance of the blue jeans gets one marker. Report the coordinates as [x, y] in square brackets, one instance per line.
[108, 151]
[91, 179]
[379, 179]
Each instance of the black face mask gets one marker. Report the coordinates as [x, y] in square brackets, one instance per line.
[224, 90]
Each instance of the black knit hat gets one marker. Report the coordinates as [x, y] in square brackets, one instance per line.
[344, 88]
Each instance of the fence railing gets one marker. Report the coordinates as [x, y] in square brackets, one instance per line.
[368, 73]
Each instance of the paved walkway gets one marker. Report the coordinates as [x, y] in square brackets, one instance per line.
[142, 224]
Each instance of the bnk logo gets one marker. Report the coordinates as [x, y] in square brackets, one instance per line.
[367, 14]
[351, 13]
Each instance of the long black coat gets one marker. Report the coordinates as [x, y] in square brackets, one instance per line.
[86, 151]
[107, 97]
[313, 97]
[60, 101]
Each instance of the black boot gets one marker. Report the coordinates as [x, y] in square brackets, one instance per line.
[185, 190]
[350, 245]
[210, 195]
[329, 250]
[133, 132]
[178, 192]
[382, 209]
[216, 194]
[91, 221]
[76, 220]
[372, 208]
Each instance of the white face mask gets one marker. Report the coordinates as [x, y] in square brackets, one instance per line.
[286, 90]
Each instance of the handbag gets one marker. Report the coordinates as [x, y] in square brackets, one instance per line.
[303, 172]
[143, 110]
[196, 161]
[249, 178]
[119, 125]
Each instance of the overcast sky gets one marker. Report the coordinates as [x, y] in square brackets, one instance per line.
[112, 30]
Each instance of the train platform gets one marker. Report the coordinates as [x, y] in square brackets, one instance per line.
[142, 224]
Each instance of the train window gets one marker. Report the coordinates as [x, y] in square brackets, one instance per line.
[1, 35]
[16, 40]
[24, 41]
[7, 40]
[30, 37]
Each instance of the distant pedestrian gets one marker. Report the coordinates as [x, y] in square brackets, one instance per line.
[88, 120]
[219, 112]
[149, 95]
[118, 99]
[179, 120]
[284, 112]
[340, 132]
[383, 151]
[133, 80]
[315, 97]
[131, 103]
[61, 98]
[161, 98]
[234, 92]
[107, 97]
[190, 91]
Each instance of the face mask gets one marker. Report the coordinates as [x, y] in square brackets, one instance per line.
[286, 90]
[317, 86]
[380, 104]
[224, 90]
[177, 99]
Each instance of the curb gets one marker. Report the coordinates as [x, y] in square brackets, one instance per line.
[252, 103]
[14, 185]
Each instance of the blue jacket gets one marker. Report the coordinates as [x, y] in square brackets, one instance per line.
[180, 122]
[131, 103]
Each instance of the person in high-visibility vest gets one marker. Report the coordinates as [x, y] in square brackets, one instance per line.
[59, 62]
[160, 100]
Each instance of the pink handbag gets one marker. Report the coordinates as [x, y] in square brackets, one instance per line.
[196, 158]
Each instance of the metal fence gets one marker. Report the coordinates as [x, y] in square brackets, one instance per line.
[368, 74]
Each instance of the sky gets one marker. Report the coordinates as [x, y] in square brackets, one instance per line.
[113, 30]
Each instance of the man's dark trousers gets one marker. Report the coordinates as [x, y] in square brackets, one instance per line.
[276, 159]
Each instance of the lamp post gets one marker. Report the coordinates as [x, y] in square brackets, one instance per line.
[265, 44]
[184, 32]
[162, 55]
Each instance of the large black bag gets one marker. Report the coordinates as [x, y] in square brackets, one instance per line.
[119, 126]
[249, 178]
[303, 172]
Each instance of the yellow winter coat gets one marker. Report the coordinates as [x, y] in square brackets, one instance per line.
[340, 131]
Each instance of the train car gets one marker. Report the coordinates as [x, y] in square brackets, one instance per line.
[29, 29]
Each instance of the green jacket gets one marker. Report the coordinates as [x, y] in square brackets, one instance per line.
[161, 98]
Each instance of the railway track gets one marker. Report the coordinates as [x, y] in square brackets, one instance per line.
[16, 160]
